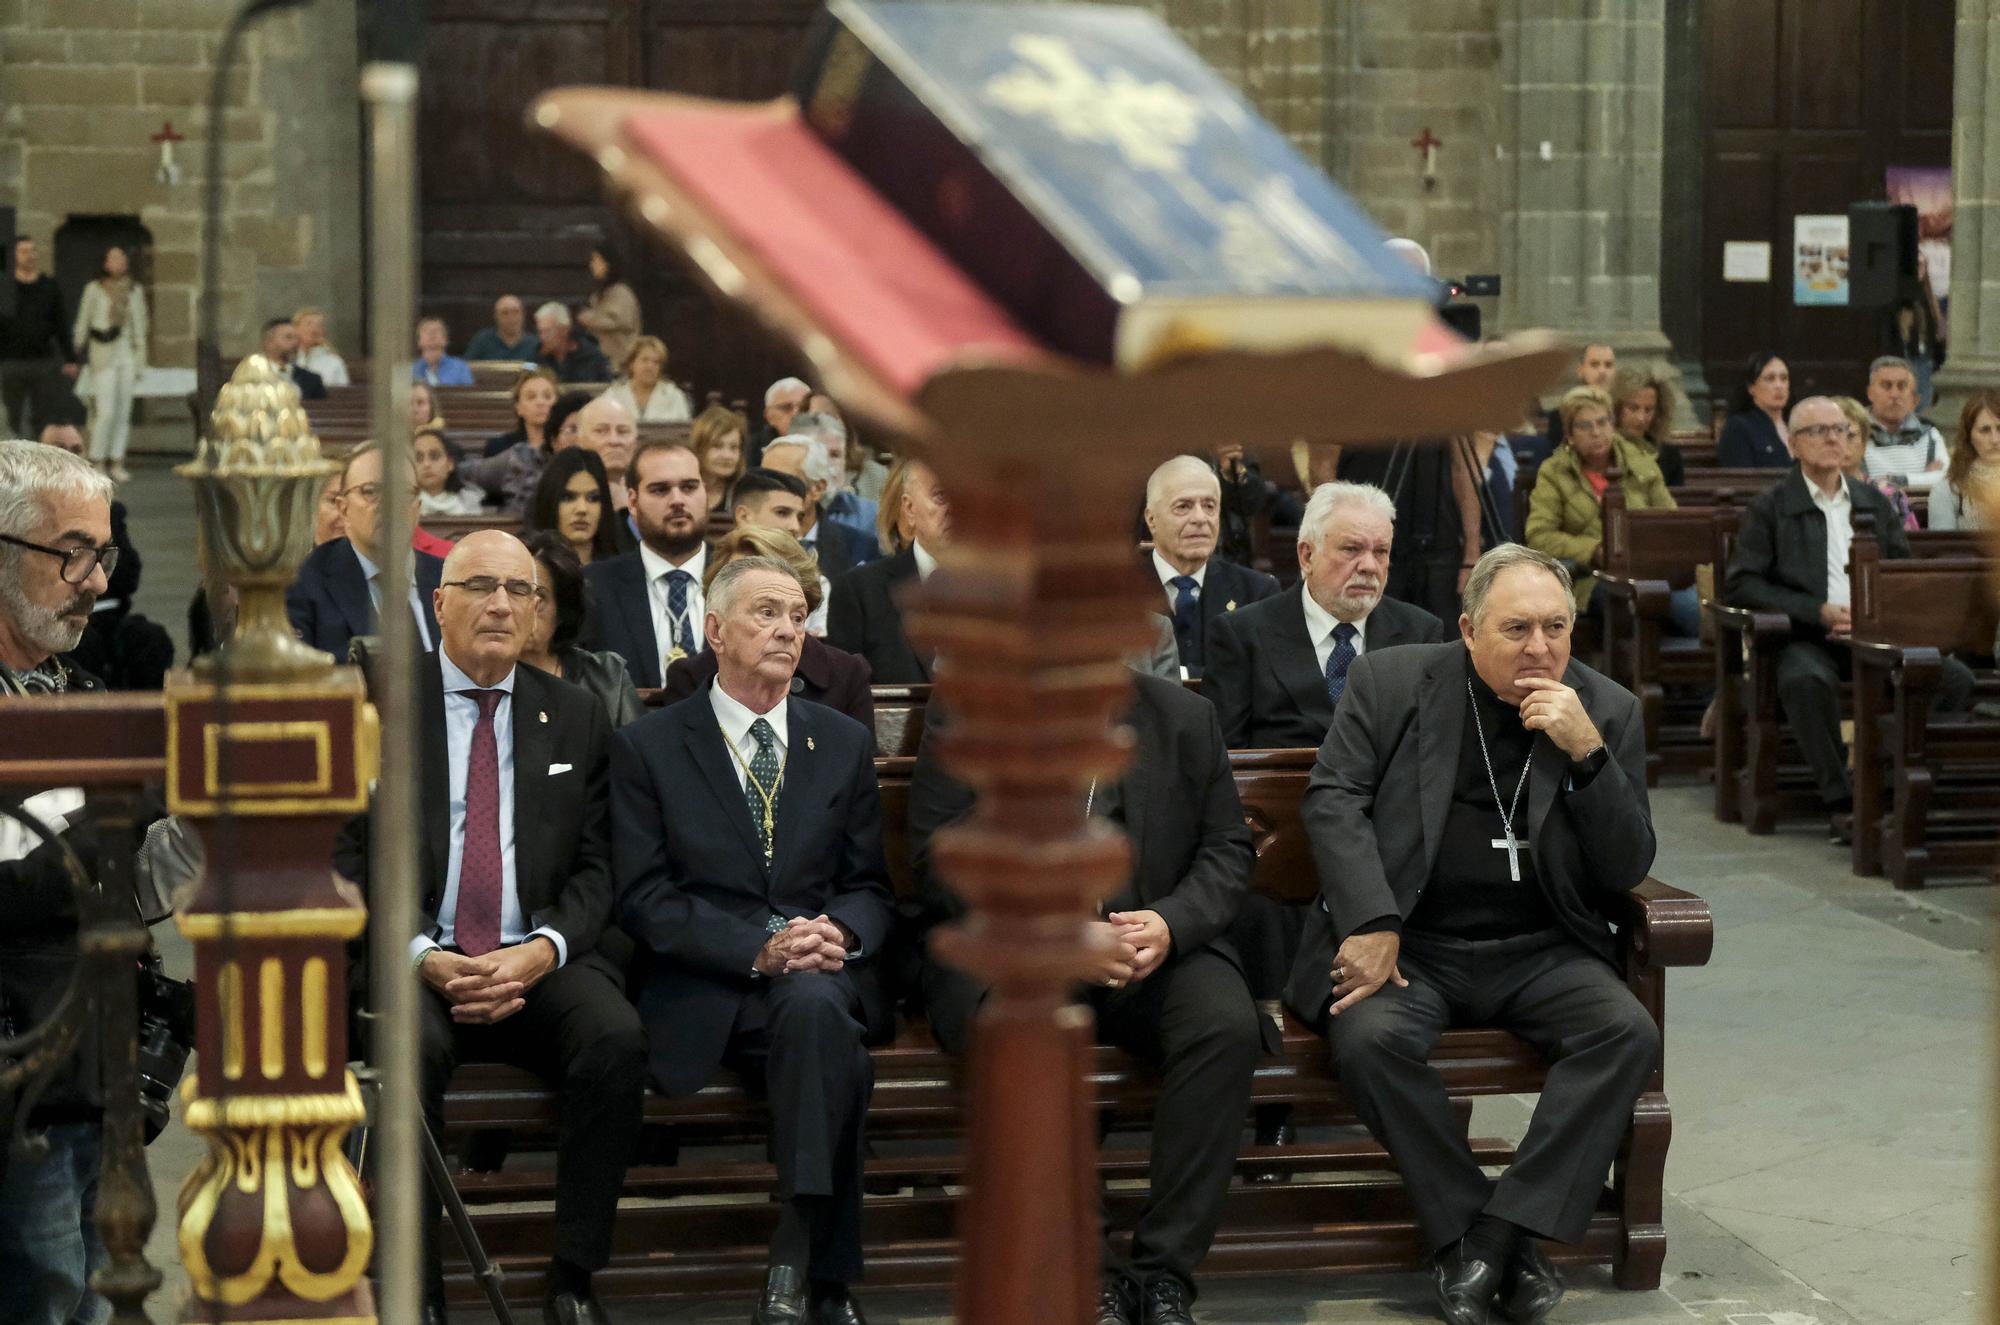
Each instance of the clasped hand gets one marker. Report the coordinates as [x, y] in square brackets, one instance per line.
[489, 989]
[818, 944]
[1130, 946]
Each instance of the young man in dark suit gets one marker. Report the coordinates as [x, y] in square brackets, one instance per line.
[839, 547]
[1170, 990]
[336, 595]
[517, 892]
[646, 605]
[1277, 667]
[866, 615]
[747, 845]
[1184, 516]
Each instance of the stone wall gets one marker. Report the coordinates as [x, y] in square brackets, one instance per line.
[84, 84]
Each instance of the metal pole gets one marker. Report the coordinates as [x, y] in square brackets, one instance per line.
[391, 93]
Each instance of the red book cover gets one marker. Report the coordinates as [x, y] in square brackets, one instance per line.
[880, 288]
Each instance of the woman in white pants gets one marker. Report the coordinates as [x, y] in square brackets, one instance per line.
[111, 336]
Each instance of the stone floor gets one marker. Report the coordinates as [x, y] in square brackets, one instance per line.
[1830, 1073]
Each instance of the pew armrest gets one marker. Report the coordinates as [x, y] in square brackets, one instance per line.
[1660, 925]
[1746, 621]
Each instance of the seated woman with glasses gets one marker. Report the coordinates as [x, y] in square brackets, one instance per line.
[560, 606]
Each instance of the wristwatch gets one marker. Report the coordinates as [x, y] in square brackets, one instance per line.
[1592, 763]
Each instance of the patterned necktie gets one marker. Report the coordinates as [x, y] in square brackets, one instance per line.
[679, 636]
[476, 928]
[765, 772]
[1187, 620]
[1339, 661]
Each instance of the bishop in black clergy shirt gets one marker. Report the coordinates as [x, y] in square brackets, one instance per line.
[646, 605]
[1277, 667]
[865, 615]
[517, 892]
[1184, 515]
[1172, 989]
[747, 846]
[1471, 804]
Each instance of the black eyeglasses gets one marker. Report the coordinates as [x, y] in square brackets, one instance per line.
[482, 586]
[77, 562]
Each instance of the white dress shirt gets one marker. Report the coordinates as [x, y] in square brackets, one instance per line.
[1320, 625]
[926, 563]
[373, 573]
[321, 359]
[1839, 512]
[658, 592]
[736, 719]
[1165, 570]
[461, 717]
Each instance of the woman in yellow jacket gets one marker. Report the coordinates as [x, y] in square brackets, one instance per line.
[1566, 510]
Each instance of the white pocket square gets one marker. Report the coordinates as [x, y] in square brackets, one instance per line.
[559, 768]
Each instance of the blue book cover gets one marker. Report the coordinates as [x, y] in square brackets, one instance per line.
[1106, 186]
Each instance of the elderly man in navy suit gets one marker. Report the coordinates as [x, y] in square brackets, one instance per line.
[1184, 516]
[747, 847]
[338, 593]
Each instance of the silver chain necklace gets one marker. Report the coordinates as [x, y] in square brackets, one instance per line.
[1511, 844]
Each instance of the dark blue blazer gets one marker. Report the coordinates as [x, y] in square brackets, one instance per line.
[328, 602]
[1750, 441]
[693, 891]
[619, 617]
[842, 547]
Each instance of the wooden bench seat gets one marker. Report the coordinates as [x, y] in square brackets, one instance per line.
[1648, 554]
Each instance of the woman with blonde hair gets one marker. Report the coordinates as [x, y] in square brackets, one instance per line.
[644, 390]
[825, 675]
[1643, 402]
[314, 353]
[110, 337]
[717, 442]
[1971, 482]
[892, 527]
[1855, 465]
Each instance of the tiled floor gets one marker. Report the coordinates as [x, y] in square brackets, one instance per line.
[1831, 1073]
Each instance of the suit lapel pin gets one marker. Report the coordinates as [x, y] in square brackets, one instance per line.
[1229, 606]
[809, 744]
[543, 715]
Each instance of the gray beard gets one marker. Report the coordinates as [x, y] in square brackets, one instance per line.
[43, 627]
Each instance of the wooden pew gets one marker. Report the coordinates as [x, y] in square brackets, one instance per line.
[1939, 803]
[1343, 1210]
[1647, 555]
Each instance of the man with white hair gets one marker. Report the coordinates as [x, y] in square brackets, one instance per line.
[607, 427]
[841, 504]
[1277, 668]
[1184, 516]
[783, 400]
[839, 547]
[572, 355]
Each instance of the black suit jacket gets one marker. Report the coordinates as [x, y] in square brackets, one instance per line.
[825, 675]
[1779, 563]
[692, 888]
[1395, 744]
[1266, 681]
[1225, 587]
[311, 386]
[328, 603]
[1750, 441]
[841, 548]
[620, 616]
[865, 616]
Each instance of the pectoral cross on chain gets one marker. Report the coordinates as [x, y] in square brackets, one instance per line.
[1513, 846]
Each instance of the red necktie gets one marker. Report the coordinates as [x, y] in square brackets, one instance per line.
[477, 925]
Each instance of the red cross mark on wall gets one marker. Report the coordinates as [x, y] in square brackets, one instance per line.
[168, 135]
[1428, 144]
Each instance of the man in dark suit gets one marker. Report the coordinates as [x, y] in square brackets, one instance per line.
[646, 605]
[1184, 515]
[337, 594]
[866, 614]
[281, 347]
[1277, 667]
[517, 892]
[1470, 804]
[840, 547]
[747, 844]
[1170, 989]
[1791, 556]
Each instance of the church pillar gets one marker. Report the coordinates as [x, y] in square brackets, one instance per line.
[1974, 315]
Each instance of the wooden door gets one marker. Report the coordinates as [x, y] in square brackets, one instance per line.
[1807, 103]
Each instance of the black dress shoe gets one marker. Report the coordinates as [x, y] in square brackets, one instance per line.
[1465, 1287]
[1531, 1287]
[1116, 1302]
[574, 1309]
[784, 1300]
[1167, 1302]
[835, 1304]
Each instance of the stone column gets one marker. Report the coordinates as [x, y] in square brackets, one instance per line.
[1974, 314]
[1580, 231]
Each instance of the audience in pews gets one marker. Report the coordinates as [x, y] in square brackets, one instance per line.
[314, 351]
[514, 460]
[441, 489]
[717, 438]
[1972, 479]
[110, 339]
[516, 894]
[839, 503]
[1566, 509]
[1855, 465]
[571, 356]
[1184, 516]
[551, 643]
[611, 314]
[1168, 985]
[1453, 891]
[1595, 367]
[280, 345]
[1791, 556]
[1755, 436]
[1903, 446]
[336, 595]
[1642, 399]
[825, 675]
[434, 366]
[865, 615]
[509, 339]
[1276, 668]
[573, 502]
[840, 547]
[759, 942]
[642, 387]
[646, 605]
[783, 400]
